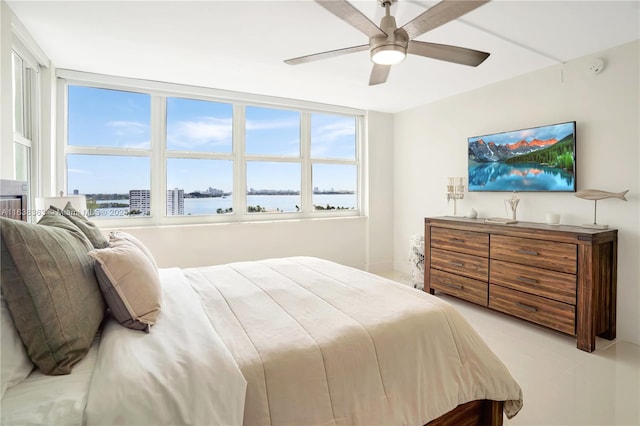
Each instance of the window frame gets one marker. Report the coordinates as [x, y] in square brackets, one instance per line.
[159, 154]
[29, 135]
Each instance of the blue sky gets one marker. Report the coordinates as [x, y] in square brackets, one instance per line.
[557, 131]
[117, 119]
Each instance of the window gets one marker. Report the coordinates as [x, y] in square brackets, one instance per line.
[113, 184]
[194, 125]
[25, 75]
[108, 152]
[272, 132]
[206, 185]
[156, 154]
[108, 118]
[274, 187]
[335, 170]
[199, 157]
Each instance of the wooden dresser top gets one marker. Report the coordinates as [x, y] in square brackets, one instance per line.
[565, 233]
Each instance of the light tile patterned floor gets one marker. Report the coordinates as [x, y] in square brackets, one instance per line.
[561, 384]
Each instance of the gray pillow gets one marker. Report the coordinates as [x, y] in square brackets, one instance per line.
[88, 228]
[50, 289]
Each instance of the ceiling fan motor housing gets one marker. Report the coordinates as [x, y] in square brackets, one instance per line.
[396, 40]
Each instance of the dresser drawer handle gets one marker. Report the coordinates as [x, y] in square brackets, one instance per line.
[530, 252]
[528, 280]
[527, 307]
[456, 240]
[456, 286]
[454, 263]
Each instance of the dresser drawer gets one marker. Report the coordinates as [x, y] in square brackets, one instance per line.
[543, 254]
[469, 242]
[541, 282]
[465, 288]
[550, 313]
[462, 264]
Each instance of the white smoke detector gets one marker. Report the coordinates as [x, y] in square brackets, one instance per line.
[596, 66]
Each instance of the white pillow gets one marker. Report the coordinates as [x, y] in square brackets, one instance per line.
[16, 364]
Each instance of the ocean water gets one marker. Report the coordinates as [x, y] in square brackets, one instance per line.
[272, 203]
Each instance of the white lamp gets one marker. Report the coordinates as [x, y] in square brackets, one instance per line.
[78, 202]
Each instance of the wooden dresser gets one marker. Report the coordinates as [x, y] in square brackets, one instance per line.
[561, 277]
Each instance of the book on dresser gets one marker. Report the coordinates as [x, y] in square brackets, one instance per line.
[561, 277]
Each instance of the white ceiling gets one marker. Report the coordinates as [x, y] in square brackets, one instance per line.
[241, 45]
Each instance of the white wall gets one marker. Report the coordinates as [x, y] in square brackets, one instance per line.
[341, 240]
[6, 105]
[431, 144]
[380, 182]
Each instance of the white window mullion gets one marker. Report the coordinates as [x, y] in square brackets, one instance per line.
[362, 163]
[158, 160]
[306, 189]
[239, 164]
[98, 150]
[62, 137]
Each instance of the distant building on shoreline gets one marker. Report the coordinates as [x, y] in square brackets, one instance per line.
[140, 202]
[175, 202]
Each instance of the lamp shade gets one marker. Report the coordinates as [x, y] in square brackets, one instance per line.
[79, 203]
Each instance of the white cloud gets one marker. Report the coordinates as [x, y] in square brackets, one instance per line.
[78, 171]
[205, 131]
[271, 124]
[331, 132]
[138, 145]
[128, 126]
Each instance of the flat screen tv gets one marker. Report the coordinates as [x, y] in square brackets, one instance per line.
[535, 159]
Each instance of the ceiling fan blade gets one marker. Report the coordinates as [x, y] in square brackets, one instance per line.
[441, 13]
[443, 52]
[325, 55]
[379, 74]
[352, 16]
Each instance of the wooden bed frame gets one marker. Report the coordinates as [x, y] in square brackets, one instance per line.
[14, 204]
[484, 412]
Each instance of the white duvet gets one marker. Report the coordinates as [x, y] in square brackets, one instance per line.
[320, 343]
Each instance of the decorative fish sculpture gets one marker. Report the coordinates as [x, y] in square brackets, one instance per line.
[596, 194]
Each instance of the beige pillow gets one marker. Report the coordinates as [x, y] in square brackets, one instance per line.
[120, 235]
[130, 284]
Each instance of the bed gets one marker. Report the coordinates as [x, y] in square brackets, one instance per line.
[285, 341]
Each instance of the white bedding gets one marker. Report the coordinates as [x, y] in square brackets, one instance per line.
[179, 373]
[50, 400]
[321, 343]
[282, 342]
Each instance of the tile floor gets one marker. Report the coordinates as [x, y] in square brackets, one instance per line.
[561, 384]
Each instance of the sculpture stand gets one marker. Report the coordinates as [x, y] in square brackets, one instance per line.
[595, 225]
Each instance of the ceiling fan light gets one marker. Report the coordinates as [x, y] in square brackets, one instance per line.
[388, 54]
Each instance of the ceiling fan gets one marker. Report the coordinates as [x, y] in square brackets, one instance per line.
[389, 44]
